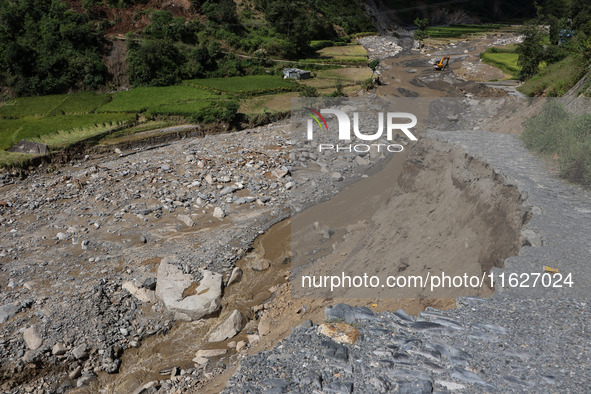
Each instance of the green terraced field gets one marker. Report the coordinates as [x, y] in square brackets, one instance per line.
[76, 103]
[504, 59]
[253, 85]
[150, 98]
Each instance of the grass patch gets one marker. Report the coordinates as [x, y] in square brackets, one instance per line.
[503, 58]
[14, 130]
[555, 79]
[309, 63]
[327, 79]
[352, 74]
[149, 98]
[13, 159]
[565, 138]
[248, 85]
[197, 105]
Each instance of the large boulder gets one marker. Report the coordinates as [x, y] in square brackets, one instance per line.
[32, 338]
[229, 328]
[180, 293]
[30, 147]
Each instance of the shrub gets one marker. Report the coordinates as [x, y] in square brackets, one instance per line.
[338, 91]
[316, 45]
[567, 138]
[368, 84]
[164, 26]
[221, 111]
[308, 91]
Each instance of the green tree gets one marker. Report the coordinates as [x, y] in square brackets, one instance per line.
[421, 32]
[198, 63]
[373, 65]
[154, 63]
[87, 4]
[556, 8]
[531, 50]
[220, 11]
[291, 20]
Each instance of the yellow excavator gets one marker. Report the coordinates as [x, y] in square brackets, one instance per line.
[441, 66]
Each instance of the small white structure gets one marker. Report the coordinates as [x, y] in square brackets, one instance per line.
[296, 73]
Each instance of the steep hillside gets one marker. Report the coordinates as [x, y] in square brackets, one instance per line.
[118, 18]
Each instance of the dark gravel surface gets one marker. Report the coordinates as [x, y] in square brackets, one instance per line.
[498, 345]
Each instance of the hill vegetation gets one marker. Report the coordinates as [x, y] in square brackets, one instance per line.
[555, 57]
[45, 47]
[48, 46]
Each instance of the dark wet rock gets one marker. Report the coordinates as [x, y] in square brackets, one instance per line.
[416, 387]
[348, 313]
[404, 316]
[425, 325]
[339, 388]
[149, 283]
[402, 358]
[312, 380]
[469, 377]
[407, 93]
